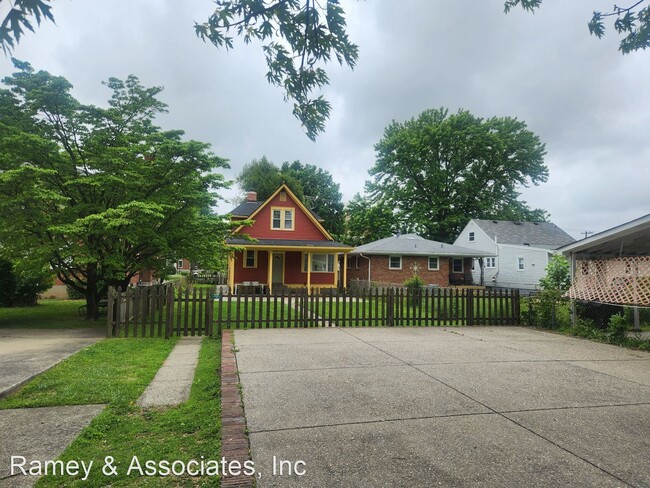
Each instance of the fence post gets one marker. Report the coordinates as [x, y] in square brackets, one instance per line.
[109, 313]
[469, 303]
[169, 299]
[390, 301]
[515, 308]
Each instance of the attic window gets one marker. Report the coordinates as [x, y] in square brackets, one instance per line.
[283, 196]
[471, 237]
[282, 218]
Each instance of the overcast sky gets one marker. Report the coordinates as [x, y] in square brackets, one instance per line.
[587, 102]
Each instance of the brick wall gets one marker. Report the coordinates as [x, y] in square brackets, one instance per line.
[380, 272]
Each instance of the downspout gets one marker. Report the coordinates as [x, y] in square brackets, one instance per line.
[365, 257]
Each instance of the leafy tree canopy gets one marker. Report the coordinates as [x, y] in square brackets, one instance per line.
[298, 36]
[558, 275]
[367, 221]
[264, 177]
[631, 21]
[101, 193]
[14, 19]
[314, 186]
[439, 170]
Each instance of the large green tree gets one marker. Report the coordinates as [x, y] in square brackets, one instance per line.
[439, 170]
[321, 193]
[314, 186]
[101, 193]
[264, 177]
[367, 220]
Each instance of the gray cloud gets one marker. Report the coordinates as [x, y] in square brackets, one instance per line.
[589, 104]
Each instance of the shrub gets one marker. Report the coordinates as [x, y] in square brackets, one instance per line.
[414, 286]
[22, 282]
[618, 326]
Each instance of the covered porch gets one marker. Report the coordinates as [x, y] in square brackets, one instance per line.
[270, 268]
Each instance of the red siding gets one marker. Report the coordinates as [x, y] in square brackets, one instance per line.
[252, 274]
[305, 229]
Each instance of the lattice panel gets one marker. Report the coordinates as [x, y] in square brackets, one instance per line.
[622, 281]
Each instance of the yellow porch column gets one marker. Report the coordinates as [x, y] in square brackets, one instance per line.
[336, 270]
[345, 270]
[269, 277]
[231, 272]
[309, 272]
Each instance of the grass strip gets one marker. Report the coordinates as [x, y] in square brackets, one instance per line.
[48, 314]
[181, 433]
[113, 371]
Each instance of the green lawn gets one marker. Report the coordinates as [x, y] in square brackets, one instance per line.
[113, 371]
[47, 314]
[431, 311]
[117, 371]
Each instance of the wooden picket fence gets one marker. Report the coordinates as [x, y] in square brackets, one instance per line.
[388, 307]
[163, 312]
[159, 311]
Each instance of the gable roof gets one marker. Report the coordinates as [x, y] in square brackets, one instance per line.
[534, 234]
[414, 245]
[247, 209]
[283, 187]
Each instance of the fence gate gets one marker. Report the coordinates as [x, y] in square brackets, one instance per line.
[159, 311]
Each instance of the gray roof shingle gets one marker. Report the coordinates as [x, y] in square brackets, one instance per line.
[246, 209]
[535, 234]
[414, 245]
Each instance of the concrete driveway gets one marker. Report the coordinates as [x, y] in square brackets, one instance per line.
[24, 353]
[462, 406]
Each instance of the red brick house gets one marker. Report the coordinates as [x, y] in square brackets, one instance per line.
[393, 260]
[290, 246]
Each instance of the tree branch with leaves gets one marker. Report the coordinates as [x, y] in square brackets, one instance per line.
[298, 38]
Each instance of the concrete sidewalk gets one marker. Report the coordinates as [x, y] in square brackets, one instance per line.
[25, 353]
[173, 381]
[461, 406]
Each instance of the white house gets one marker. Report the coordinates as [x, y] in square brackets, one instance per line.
[522, 250]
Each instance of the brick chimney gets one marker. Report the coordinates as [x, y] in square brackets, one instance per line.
[251, 196]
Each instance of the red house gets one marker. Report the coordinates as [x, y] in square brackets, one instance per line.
[290, 247]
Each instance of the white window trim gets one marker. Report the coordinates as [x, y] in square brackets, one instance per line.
[437, 268]
[462, 265]
[471, 236]
[487, 260]
[180, 264]
[389, 262]
[523, 262]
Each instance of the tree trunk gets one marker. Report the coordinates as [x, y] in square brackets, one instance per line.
[92, 296]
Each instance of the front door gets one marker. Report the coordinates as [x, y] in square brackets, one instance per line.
[278, 269]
